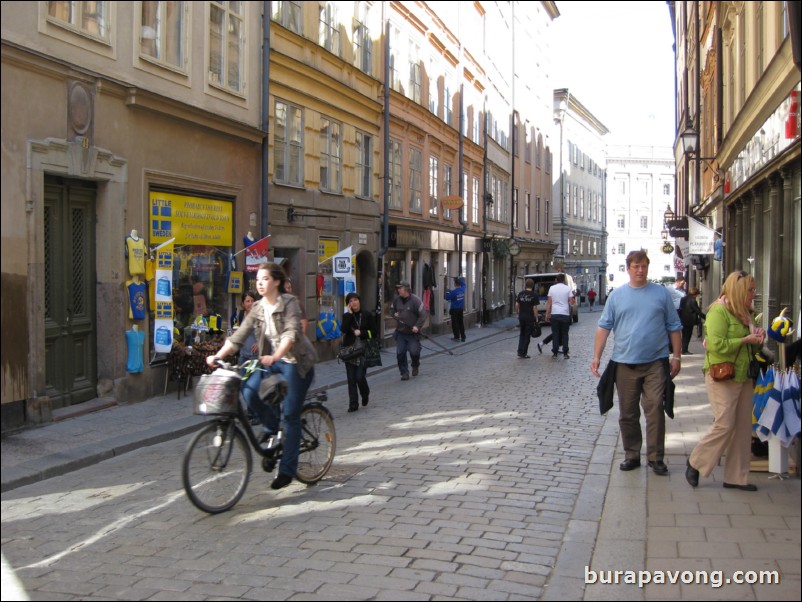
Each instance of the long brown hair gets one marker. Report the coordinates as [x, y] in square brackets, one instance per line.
[734, 294]
[276, 273]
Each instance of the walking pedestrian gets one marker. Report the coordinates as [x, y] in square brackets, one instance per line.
[730, 333]
[677, 292]
[357, 324]
[526, 303]
[558, 312]
[591, 298]
[457, 311]
[642, 316]
[410, 315]
[690, 315]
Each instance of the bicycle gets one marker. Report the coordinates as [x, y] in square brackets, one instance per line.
[217, 463]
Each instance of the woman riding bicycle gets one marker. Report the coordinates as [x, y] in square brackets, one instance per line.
[276, 322]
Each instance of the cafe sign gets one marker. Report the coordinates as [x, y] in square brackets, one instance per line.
[452, 201]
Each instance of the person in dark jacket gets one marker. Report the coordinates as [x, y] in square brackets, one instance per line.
[457, 311]
[526, 303]
[357, 324]
[690, 315]
[410, 315]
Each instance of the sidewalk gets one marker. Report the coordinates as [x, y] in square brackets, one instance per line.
[647, 522]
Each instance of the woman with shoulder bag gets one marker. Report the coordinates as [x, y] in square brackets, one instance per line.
[730, 334]
[357, 324]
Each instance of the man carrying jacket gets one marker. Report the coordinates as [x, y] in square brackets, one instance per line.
[410, 315]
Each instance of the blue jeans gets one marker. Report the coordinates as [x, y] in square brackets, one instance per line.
[559, 329]
[404, 343]
[291, 407]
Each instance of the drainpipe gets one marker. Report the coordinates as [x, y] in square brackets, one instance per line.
[265, 116]
[385, 237]
[485, 196]
[463, 221]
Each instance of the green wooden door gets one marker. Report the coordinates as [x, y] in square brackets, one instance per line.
[69, 291]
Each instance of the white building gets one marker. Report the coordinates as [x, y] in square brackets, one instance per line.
[640, 187]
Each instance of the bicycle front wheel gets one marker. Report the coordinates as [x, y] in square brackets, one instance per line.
[318, 444]
[217, 466]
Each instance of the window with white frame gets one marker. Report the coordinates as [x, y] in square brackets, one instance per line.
[396, 53]
[476, 201]
[576, 198]
[415, 72]
[163, 35]
[329, 34]
[528, 212]
[434, 89]
[395, 175]
[330, 155]
[89, 18]
[620, 222]
[666, 189]
[644, 222]
[515, 208]
[415, 179]
[622, 248]
[227, 45]
[434, 185]
[364, 148]
[288, 14]
[666, 268]
[581, 203]
[448, 102]
[363, 45]
[288, 148]
[447, 187]
[546, 217]
[537, 213]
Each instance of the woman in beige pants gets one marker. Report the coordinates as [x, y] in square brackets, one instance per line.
[730, 334]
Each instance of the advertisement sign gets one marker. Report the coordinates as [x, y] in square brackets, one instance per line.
[190, 220]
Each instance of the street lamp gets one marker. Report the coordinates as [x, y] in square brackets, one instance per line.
[690, 148]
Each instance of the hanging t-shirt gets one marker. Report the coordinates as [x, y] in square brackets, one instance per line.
[136, 345]
[136, 249]
[137, 299]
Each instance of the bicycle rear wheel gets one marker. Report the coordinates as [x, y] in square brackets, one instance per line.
[318, 444]
[217, 466]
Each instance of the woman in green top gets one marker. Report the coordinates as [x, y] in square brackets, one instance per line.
[730, 333]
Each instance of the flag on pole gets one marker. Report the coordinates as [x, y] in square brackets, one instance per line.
[341, 263]
[256, 254]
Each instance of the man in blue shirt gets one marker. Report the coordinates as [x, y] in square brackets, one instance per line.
[643, 317]
[457, 311]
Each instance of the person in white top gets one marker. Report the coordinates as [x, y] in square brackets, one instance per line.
[558, 312]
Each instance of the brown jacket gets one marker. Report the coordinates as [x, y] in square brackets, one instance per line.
[287, 322]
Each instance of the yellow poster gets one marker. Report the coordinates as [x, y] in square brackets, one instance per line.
[190, 220]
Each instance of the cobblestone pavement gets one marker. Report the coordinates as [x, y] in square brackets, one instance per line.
[485, 477]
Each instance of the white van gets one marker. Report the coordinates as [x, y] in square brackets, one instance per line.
[542, 284]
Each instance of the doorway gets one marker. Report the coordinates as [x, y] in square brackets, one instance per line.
[69, 291]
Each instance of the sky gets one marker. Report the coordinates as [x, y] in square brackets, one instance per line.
[618, 59]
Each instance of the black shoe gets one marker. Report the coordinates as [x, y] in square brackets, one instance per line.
[629, 464]
[747, 487]
[554, 356]
[568, 357]
[540, 348]
[365, 401]
[415, 371]
[405, 377]
[455, 338]
[659, 467]
[281, 481]
[692, 475]
[353, 408]
[524, 357]
[463, 339]
[687, 353]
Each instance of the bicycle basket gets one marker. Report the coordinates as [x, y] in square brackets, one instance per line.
[217, 393]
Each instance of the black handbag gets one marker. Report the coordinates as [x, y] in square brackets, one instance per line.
[373, 355]
[536, 331]
[351, 352]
